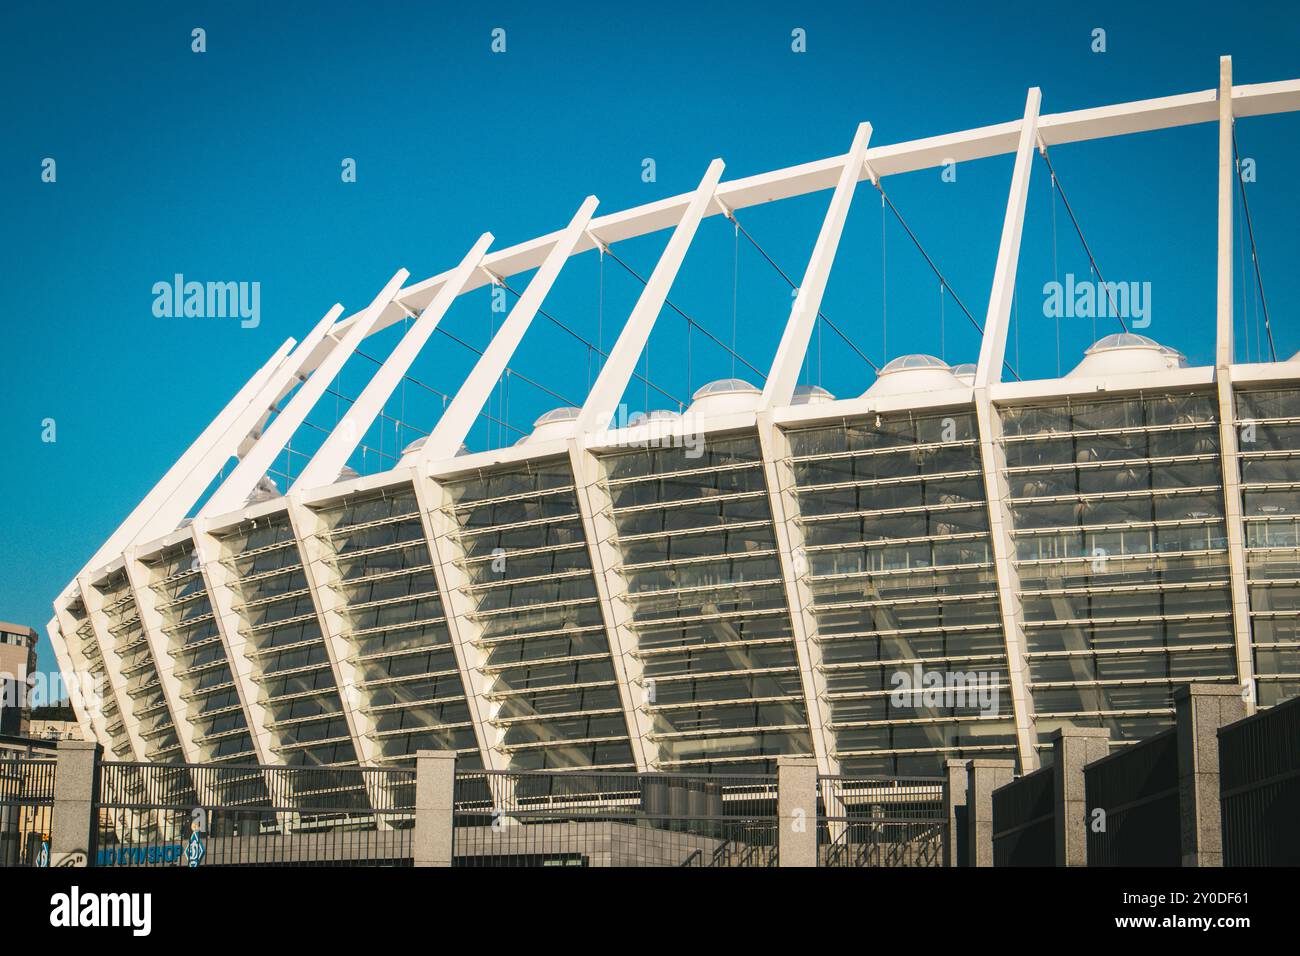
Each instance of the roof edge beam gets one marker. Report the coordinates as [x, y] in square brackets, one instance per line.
[334, 452]
[455, 424]
[781, 381]
[235, 489]
[993, 347]
[618, 368]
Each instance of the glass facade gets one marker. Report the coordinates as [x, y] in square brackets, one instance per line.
[898, 558]
[709, 612]
[291, 664]
[478, 626]
[208, 690]
[555, 702]
[1121, 552]
[397, 628]
[88, 647]
[1268, 443]
[143, 688]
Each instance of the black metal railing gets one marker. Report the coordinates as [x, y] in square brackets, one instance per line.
[593, 818]
[1259, 766]
[249, 815]
[1132, 805]
[1024, 820]
[26, 810]
[887, 821]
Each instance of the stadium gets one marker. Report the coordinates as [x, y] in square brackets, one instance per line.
[709, 587]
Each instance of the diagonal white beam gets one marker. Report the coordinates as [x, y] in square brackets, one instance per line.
[1234, 526]
[146, 518]
[617, 371]
[787, 526]
[235, 489]
[241, 431]
[458, 419]
[996, 322]
[997, 493]
[779, 388]
[333, 454]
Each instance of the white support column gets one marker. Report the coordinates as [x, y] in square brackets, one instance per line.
[1234, 525]
[458, 607]
[606, 567]
[93, 602]
[331, 612]
[618, 368]
[775, 446]
[779, 388]
[151, 624]
[147, 516]
[996, 491]
[333, 454]
[998, 318]
[458, 419]
[997, 494]
[220, 583]
[235, 489]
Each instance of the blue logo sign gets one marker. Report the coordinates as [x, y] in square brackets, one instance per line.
[43, 854]
[195, 850]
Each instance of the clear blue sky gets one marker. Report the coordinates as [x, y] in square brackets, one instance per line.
[226, 166]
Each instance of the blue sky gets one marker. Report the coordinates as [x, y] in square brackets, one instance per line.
[225, 166]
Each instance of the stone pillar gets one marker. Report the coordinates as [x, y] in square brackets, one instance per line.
[982, 778]
[796, 811]
[1074, 748]
[1200, 710]
[76, 788]
[435, 798]
[954, 802]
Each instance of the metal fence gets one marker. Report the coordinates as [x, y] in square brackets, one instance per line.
[1259, 765]
[891, 821]
[1133, 809]
[1024, 820]
[219, 815]
[26, 810]
[614, 819]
